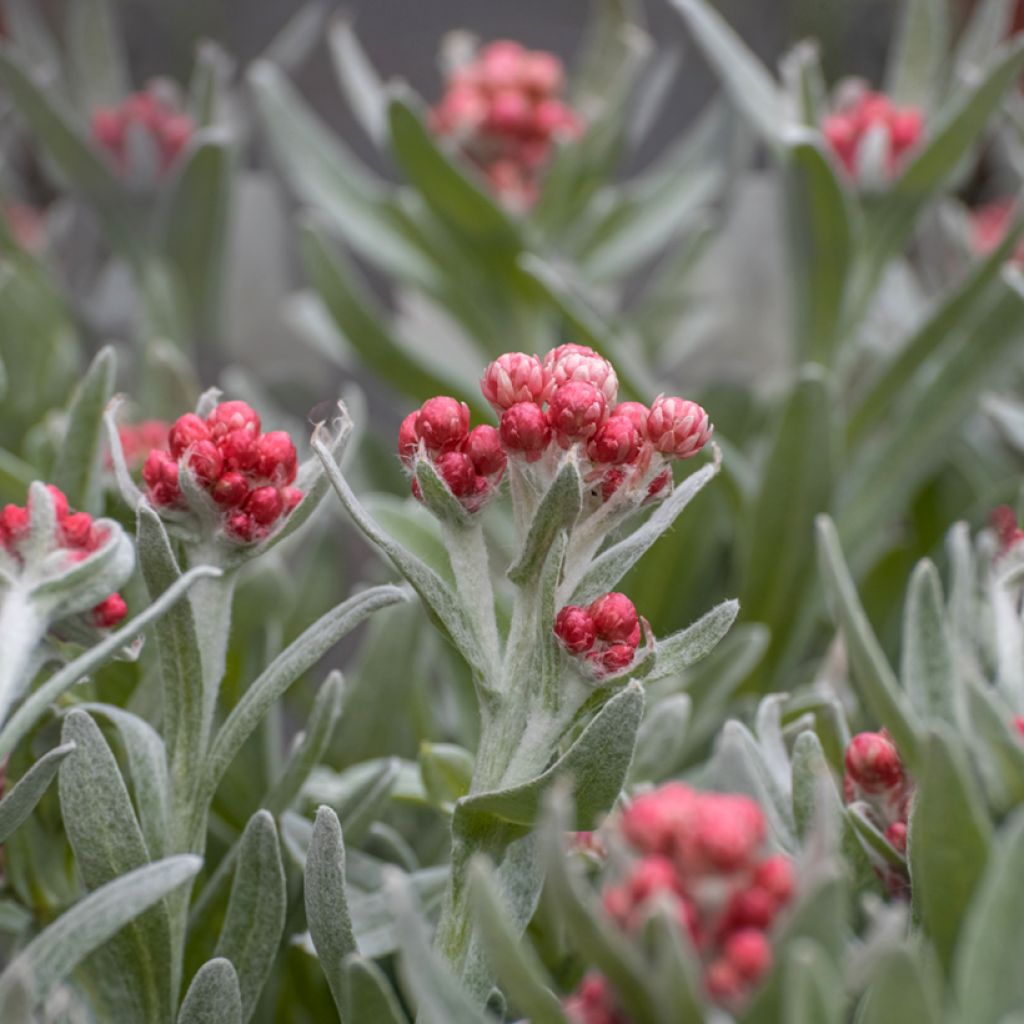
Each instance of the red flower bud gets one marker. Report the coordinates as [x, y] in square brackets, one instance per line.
[616, 442]
[186, 431]
[525, 430]
[515, 377]
[678, 427]
[409, 438]
[240, 449]
[278, 461]
[456, 469]
[873, 762]
[775, 876]
[896, 834]
[750, 908]
[613, 659]
[658, 485]
[730, 829]
[110, 611]
[241, 526]
[205, 461]
[578, 363]
[723, 981]
[575, 629]
[749, 952]
[636, 413]
[231, 416]
[576, 412]
[615, 617]
[231, 489]
[443, 424]
[264, 505]
[76, 530]
[483, 446]
[291, 496]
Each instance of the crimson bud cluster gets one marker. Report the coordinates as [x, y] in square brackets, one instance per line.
[605, 635]
[76, 535]
[701, 854]
[248, 474]
[169, 128]
[865, 113]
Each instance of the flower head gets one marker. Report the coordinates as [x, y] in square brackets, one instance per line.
[146, 115]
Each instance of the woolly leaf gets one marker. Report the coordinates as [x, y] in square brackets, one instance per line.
[359, 80]
[661, 740]
[900, 990]
[369, 993]
[21, 800]
[214, 996]
[447, 770]
[928, 669]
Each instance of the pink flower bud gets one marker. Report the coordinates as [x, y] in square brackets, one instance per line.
[456, 469]
[160, 473]
[240, 450]
[443, 424]
[13, 524]
[611, 482]
[525, 430]
[109, 612]
[678, 427]
[205, 461]
[660, 484]
[231, 489]
[873, 762]
[730, 829]
[483, 446]
[1018, 723]
[616, 442]
[749, 952]
[278, 461]
[775, 876]
[896, 834]
[501, 63]
[107, 128]
[291, 496]
[569, 363]
[754, 907]
[509, 112]
[723, 981]
[187, 431]
[409, 438]
[241, 526]
[615, 618]
[76, 530]
[541, 73]
[575, 629]
[636, 413]
[613, 659]
[231, 416]
[576, 412]
[264, 505]
[653, 820]
[514, 377]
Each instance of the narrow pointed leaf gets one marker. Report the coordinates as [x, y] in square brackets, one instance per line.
[928, 669]
[21, 800]
[213, 997]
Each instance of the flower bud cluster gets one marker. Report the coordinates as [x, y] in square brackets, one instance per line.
[139, 439]
[504, 110]
[247, 474]
[168, 128]
[605, 636]
[866, 114]
[569, 399]
[471, 462]
[76, 537]
[701, 855]
[1007, 530]
[875, 777]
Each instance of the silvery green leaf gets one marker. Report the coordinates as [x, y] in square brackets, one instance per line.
[96, 54]
[596, 763]
[986, 975]
[862, 821]
[928, 669]
[327, 902]
[126, 485]
[447, 771]
[79, 468]
[295, 659]
[369, 993]
[996, 750]
[91, 922]
[135, 968]
[660, 741]
[214, 996]
[677, 969]
[255, 916]
[21, 800]
[181, 676]
[917, 58]
[211, 76]
[901, 990]
[557, 511]
[945, 872]
[373, 919]
[292, 44]
[812, 991]
[35, 705]
[742, 75]
[425, 977]
[510, 956]
[147, 769]
[359, 80]
[870, 667]
[612, 564]
[988, 25]
[1008, 416]
[683, 649]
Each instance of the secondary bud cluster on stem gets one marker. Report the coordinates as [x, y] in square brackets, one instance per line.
[76, 536]
[505, 112]
[151, 118]
[569, 399]
[1006, 528]
[702, 856]
[139, 439]
[605, 636]
[247, 475]
[868, 123]
[471, 462]
[876, 778]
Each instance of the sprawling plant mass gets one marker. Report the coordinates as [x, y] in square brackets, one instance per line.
[431, 704]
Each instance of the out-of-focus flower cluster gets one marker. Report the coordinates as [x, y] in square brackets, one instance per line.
[605, 635]
[1007, 530]
[868, 128]
[75, 537]
[505, 112]
[139, 439]
[702, 856]
[148, 118]
[246, 474]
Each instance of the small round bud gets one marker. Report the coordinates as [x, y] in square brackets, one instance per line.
[751, 908]
[730, 830]
[231, 416]
[240, 526]
[13, 524]
[514, 377]
[723, 981]
[443, 424]
[109, 612]
[636, 413]
[615, 618]
[264, 505]
[749, 952]
[575, 629]
[408, 438]
[239, 449]
[76, 530]
[456, 469]
[873, 762]
[290, 496]
[525, 430]
[205, 461]
[231, 489]
[277, 461]
[678, 427]
[186, 431]
[614, 659]
[896, 834]
[160, 472]
[569, 363]
[659, 486]
[576, 412]
[483, 446]
[616, 442]
[775, 875]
